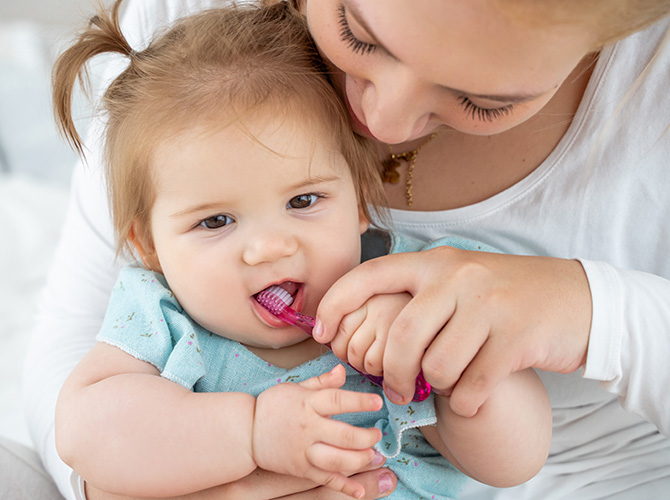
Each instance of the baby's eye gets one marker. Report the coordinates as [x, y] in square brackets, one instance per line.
[303, 201]
[216, 222]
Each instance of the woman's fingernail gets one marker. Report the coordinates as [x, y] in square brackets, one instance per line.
[378, 459]
[393, 396]
[385, 483]
[317, 331]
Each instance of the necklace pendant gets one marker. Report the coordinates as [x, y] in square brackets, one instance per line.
[390, 171]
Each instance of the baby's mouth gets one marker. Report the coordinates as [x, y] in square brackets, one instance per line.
[273, 299]
[290, 287]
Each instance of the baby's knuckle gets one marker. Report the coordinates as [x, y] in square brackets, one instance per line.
[373, 366]
[336, 398]
[344, 330]
[355, 351]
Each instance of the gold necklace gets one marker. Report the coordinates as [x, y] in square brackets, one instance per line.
[390, 167]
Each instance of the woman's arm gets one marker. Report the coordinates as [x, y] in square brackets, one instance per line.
[629, 344]
[492, 315]
[474, 318]
[264, 485]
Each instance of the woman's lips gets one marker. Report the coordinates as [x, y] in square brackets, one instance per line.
[358, 126]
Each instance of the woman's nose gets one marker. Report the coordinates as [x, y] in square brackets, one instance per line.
[396, 106]
[268, 247]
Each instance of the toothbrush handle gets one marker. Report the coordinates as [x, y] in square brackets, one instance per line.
[303, 321]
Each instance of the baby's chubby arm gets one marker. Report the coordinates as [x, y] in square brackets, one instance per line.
[128, 431]
[507, 441]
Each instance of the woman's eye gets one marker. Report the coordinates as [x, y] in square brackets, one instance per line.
[303, 201]
[216, 222]
[484, 114]
[346, 35]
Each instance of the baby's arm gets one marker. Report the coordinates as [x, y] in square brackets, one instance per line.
[127, 430]
[507, 442]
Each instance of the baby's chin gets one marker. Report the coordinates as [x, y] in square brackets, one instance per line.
[289, 355]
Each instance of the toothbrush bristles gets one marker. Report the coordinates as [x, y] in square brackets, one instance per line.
[275, 299]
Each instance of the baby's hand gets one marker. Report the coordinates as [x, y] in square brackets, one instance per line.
[293, 433]
[361, 337]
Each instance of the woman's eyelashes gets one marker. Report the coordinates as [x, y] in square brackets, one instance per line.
[354, 44]
[363, 48]
[484, 114]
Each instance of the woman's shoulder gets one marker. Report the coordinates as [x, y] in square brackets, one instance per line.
[636, 51]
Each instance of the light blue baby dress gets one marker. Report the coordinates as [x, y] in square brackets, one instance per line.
[145, 320]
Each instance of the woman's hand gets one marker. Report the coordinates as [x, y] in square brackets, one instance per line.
[263, 485]
[475, 317]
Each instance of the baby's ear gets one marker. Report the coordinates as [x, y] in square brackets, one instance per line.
[363, 222]
[144, 248]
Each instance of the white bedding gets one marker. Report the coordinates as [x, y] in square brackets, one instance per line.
[31, 214]
[35, 166]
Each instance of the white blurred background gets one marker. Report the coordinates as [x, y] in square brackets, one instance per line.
[35, 168]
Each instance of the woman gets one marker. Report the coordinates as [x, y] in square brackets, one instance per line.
[525, 126]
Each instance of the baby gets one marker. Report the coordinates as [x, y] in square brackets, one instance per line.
[232, 168]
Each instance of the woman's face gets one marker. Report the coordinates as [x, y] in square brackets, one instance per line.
[410, 68]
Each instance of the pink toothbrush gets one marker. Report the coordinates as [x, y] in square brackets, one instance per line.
[277, 300]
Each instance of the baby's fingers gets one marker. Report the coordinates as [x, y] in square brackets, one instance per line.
[334, 459]
[349, 437]
[349, 326]
[330, 402]
[331, 380]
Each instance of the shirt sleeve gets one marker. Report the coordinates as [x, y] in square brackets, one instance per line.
[629, 343]
[145, 320]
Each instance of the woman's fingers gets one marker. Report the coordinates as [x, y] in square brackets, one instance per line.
[377, 484]
[410, 335]
[336, 481]
[389, 274]
[477, 382]
[453, 348]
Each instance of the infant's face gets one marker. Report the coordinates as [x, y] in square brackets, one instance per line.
[234, 215]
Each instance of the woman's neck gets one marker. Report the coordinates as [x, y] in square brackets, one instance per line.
[457, 170]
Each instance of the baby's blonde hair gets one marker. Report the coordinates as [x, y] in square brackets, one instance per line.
[607, 20]
[228, 61]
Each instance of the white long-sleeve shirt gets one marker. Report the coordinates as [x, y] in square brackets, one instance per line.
[602, 196]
